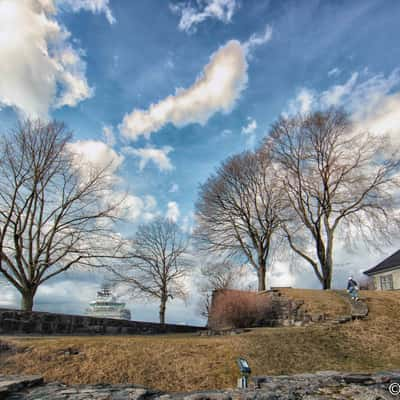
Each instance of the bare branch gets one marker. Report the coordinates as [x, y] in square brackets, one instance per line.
[157, 263]
[334, 179]
[51, 218]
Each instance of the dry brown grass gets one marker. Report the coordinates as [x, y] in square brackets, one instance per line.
[187, 362]
[318, 301]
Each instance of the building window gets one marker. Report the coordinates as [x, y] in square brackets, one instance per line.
[387, 282]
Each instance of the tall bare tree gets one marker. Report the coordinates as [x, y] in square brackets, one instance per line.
[217, 275]
[239, 210]
[334, 178]
[158, 263]
[50, 217]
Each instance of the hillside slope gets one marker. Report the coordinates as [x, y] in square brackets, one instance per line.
[187, 362]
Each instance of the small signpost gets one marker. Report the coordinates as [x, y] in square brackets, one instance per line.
[245, 372]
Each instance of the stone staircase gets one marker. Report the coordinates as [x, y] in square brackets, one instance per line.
[358, 309]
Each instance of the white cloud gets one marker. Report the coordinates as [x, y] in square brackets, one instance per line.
[150, 208]
[187, 223]
[9, 296]
[305, 98]
[174, 188]
[93, 154]
[338, 93]
[94, 6]
[366, 96]
[384, 118]
[172, 211]
[256, 39]
[42, 67]
[191, 15]
[226, 133]
[373, 101]
[131, 207]
[108, 134]
[150, 202]
[97, 155]
[216, 90]
[250, 127]
[249, 131]
[159, 156]
[334, 72]
[302, 103]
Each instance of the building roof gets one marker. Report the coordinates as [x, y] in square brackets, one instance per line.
[392, 262]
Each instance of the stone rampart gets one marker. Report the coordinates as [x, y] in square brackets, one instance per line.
[43, 323]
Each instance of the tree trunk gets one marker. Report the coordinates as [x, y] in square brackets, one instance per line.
[27, 300]
[326, 284]
[327, 267]
[163, 304]
[327, 277]
[261, 276]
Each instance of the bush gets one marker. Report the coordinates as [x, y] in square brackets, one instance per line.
[238, 309]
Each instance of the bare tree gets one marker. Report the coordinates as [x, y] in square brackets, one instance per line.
[217, 275]
[334, 178]
[158, 263]
[239, 210]
[50, 217]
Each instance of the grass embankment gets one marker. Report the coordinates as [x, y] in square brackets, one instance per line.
[319, 301]
[187, 362]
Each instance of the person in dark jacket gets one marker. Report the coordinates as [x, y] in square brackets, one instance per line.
[352, 288]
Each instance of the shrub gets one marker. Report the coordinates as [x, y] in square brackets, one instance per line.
[238, 309]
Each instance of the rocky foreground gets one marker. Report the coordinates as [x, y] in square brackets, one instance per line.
[325, 385]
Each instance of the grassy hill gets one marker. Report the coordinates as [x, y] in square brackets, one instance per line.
[188, 362]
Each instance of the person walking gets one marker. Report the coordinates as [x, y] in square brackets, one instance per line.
[352, 288]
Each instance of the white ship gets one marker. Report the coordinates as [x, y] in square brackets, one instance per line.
[107, 306]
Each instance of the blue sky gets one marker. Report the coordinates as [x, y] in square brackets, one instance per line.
[101, 65]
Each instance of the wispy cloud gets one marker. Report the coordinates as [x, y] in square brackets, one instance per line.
[302, 103]
[250, 127]
[108, 134]
[174, 188]
[372, 100]
[159, 156]
[193, 14]
[337, 94]
[334, 72]
[226, 132]
[94, 6]
[257, 39]
[249, 131]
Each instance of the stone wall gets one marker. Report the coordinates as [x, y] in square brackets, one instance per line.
[43, 323]
[325, 385]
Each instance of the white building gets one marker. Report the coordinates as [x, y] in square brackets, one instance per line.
[386, 274]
